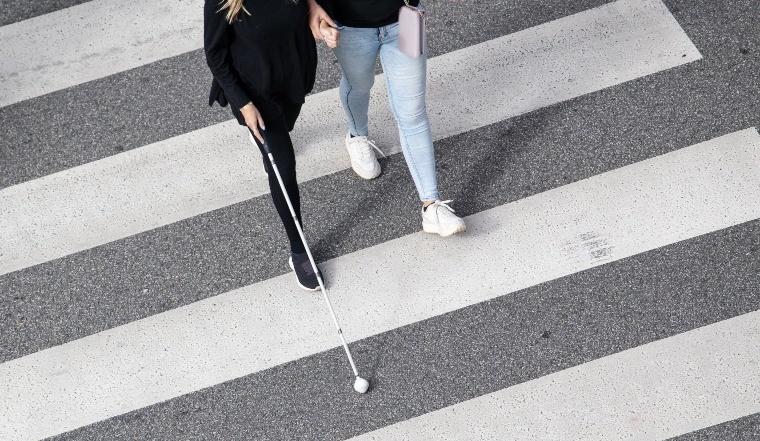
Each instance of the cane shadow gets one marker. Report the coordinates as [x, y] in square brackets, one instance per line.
[373, 356]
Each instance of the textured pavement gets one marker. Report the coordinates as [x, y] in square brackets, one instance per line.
[443, 360]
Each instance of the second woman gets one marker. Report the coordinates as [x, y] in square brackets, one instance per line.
[370, 28]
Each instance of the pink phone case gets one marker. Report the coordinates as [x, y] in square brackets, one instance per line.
[411, 31]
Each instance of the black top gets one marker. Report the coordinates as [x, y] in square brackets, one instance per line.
[268, 57]
[364, 13]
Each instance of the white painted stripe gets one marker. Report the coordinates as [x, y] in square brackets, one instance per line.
[136, 191]
[101, 38]
[670, 198]
[93, 40]
[656, 391]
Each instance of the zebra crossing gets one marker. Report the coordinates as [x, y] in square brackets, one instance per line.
[197, 172]
[135, 309]
[655, 391]
[93, 40]
[209, 342]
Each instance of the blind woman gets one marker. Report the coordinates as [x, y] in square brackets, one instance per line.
[263, 59]
[370, 28]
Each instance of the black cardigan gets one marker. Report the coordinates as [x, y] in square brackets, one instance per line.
[364, 13]
[268, 57]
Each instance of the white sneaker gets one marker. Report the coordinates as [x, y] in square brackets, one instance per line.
[440, 219]
[363, 159]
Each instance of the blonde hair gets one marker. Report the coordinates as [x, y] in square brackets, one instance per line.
[233, 8]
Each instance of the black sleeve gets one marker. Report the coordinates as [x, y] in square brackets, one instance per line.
[216, 45]
[327, 5]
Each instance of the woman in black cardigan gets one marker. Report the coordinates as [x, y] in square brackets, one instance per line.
[264, 60]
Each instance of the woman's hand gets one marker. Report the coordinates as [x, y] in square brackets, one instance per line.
[331, 34]
[316, 16]
[253, 120]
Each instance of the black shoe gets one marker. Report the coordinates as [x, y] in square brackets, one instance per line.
[304, 271]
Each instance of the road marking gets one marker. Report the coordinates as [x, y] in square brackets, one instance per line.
[674, 197]
[207, 169]
[91, 41]
[660, 390]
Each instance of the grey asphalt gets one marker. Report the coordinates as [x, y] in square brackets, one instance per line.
[485, 347]
[14, 11]
[470, 352]
[743, 429]
[152, 272]
[160, 100]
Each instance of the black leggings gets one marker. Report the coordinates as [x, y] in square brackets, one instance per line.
[285, 158]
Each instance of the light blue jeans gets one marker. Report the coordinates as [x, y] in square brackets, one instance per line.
[405, 77]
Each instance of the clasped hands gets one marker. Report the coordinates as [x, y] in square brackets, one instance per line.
[322, 26]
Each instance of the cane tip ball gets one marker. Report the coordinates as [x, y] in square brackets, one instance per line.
[361, 385]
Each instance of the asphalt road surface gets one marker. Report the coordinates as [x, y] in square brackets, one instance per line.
[606, 158]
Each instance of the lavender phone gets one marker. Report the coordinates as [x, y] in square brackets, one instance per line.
[411, 31]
